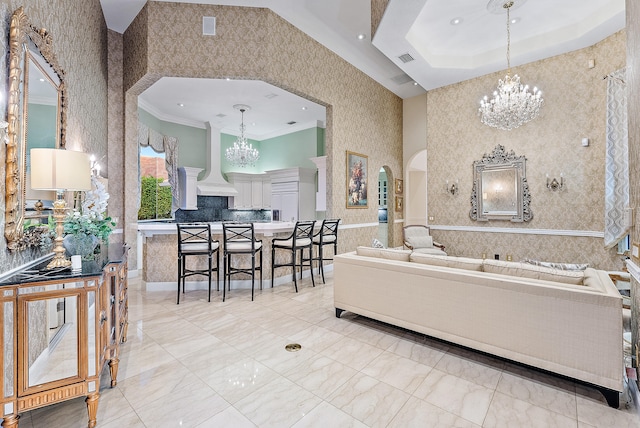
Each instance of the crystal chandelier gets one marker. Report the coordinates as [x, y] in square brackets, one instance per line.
[512, 104]
[241, 153]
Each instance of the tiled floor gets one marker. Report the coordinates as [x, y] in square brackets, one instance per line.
[217, 364]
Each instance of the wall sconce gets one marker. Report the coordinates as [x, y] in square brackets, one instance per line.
[553, 184]
[95, 166]
[453, 188]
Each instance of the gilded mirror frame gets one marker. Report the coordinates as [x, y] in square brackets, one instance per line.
[507, 164]
[21, 32]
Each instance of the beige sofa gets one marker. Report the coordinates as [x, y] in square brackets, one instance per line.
[571, 326]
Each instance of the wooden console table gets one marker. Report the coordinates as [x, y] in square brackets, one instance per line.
[60, 329]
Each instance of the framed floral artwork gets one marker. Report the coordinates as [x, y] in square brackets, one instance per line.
[399, 186]
[399, 203]
[357, 180]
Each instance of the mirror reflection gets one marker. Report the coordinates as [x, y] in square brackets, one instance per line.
[53, 339]
[500, 189]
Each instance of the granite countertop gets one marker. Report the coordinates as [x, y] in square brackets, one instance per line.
[262, 228]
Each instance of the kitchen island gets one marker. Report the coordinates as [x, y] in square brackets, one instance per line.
[158, 244]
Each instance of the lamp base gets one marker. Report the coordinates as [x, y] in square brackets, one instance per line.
[59, 260]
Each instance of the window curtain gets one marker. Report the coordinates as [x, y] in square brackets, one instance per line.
[617, 160]
[162, 144]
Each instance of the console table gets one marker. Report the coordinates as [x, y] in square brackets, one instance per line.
[60, 329]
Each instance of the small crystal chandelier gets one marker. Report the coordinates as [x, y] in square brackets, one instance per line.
[241, 153]
[512, 104]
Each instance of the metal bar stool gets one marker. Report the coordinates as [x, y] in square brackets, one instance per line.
[327, 235]
[239, 238]
[299, 240]
[194, 239]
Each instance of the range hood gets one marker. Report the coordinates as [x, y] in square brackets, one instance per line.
[213, 184]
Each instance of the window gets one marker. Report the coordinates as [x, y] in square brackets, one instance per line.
[155, 191]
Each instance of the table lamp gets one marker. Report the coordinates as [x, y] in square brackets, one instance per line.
[59, 170]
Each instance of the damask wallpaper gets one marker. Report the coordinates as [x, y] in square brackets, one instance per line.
[574, 108]
[255, 43]
[79, 39]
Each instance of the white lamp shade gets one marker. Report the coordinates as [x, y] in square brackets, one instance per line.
[57, 169]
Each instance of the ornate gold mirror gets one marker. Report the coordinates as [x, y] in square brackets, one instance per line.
[35, 112]
[500, 188]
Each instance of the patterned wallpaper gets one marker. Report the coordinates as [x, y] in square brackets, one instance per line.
[79, 37]
[255, 43]
[551, 144]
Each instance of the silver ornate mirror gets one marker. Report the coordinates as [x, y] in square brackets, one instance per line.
[500, 189]
[35, 112]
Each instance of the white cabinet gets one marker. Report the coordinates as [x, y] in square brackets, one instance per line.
[293, 193]
[250, 189]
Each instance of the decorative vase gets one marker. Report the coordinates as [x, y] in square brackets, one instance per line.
[82, 245]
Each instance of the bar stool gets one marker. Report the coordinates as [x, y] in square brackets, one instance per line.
[239, 238]
[327, 235]
[299, 240]
[194, 239]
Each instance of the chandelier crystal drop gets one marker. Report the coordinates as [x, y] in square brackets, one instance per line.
[512, 104]
[242, 153]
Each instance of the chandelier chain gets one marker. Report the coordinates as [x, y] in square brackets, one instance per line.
[508, 7]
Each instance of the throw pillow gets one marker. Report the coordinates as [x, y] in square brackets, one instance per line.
[377, 244]
[561, 266]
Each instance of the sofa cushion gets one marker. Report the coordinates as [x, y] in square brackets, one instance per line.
[447, 261]
[384, 253]
[526, 270]
[431, 250]
[561, 266]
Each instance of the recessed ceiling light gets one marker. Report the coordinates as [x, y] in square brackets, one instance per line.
[180, 104]
[456, 21]
[415, 83]
[515, 20]
[362, 36]
[41, 79]
[228, 79]
[304, 108]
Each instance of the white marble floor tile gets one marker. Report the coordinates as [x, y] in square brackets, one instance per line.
[418, 351]
[137, 359]
[506, 412]
[599, 414]
[229, 417]
[155, 383]
[538, 393]
[211, 359]
[352, 352]
[321, 375]
[417, 413]
[286, 325]
[367, 399]
[279, 403]
[200, 400]
[277, 358]
[397, 371]
[374, 336]
[458, 396]
[235, 381]
[316, 338]
[473, 371]
[325, 415]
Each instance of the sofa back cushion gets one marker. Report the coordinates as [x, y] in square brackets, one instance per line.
[447, 261]
[526, 270]
[384, 253]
